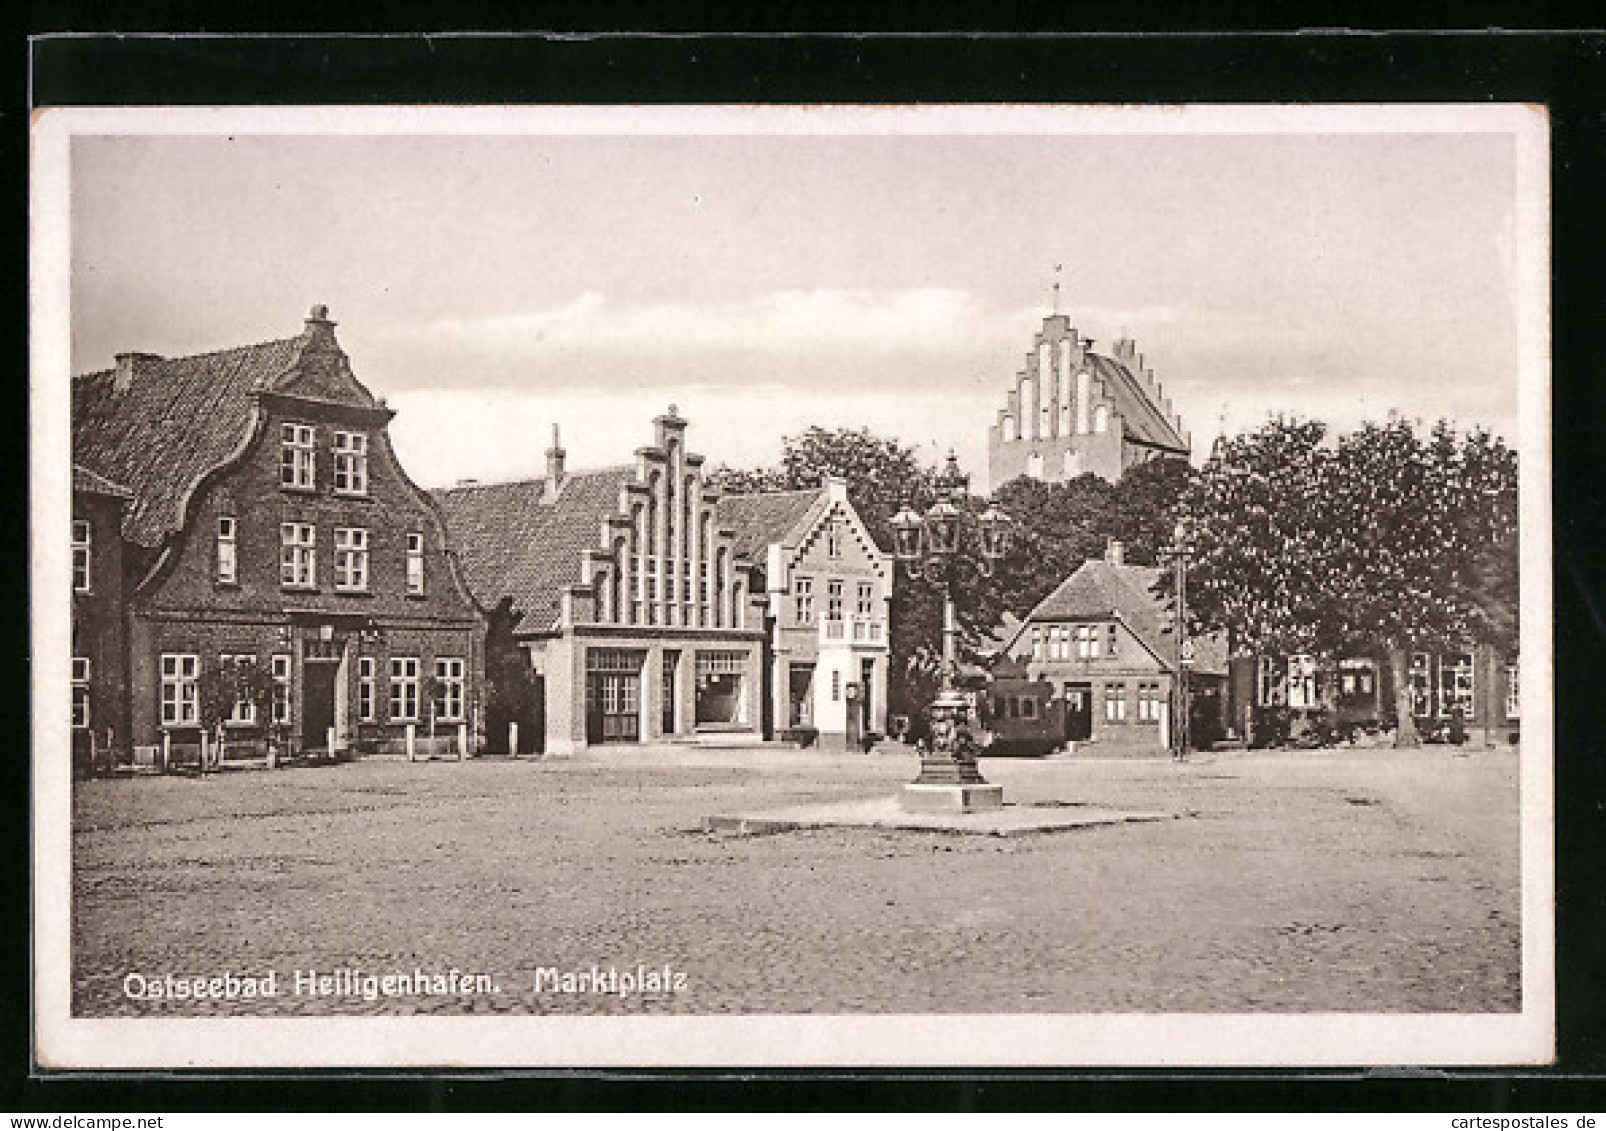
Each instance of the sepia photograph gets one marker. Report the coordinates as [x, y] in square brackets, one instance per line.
[776, 585]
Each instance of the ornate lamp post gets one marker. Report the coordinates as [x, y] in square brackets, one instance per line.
[928, 547]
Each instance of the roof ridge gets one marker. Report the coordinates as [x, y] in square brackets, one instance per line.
[194, 356]
[530, 480]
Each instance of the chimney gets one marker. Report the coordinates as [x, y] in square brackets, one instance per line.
[1115, 553]
[554, 467]
[318, 324]
[131, 365]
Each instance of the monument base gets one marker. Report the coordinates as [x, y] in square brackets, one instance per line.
[969, 798]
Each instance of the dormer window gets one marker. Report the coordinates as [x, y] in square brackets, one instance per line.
[298, 457]
[351, 463]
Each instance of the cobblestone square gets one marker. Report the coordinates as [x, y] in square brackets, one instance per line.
[1365, 880]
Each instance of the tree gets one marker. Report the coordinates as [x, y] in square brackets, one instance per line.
[513, 694]
[1260, 560]
[219, 689]
[1424, 540]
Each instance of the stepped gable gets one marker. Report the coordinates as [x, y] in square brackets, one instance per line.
[160, 424]
[513, 541]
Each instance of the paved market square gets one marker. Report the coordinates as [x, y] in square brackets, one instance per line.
[1291, 881]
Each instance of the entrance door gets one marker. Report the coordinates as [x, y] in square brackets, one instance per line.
[1078, 712]
[866, 682]
[613, 707]
[800, 711]
[317, 703]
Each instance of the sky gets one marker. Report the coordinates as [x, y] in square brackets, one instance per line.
[491, 286]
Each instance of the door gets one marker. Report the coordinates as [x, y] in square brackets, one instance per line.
[317, 703]
[613, 707]
[866, 683]
[1078, 712]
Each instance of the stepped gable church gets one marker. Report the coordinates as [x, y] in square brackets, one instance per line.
[1074, 412]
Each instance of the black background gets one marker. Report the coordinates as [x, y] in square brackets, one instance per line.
[1141, 54]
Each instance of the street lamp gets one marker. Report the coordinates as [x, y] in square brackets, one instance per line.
[928, 548]
[1180, 551]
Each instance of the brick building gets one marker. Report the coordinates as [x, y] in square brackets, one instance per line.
[268, 519]
[1072, 412]
[99, 636]
[828, 589]
[1103, 639]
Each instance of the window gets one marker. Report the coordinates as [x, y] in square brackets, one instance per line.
[404, 689]
[1101, 419]
[651, 575]
[1009, 429]
[228, 557]
[866, 604]
[80, 692]
[351, 463]
[1455, 684]
[415, 565]
[802, 592]
[1110, 637]
[1115, 702]
[1513, 692]
[244, 712]
[833, 539]
[179, 698]
[1087, 641]
[1302, 690]
[1149, 702]
[1272, 683]
[833, 600]
[1037, 644]
[80, 556]
[298, 555]
[449, 690]
[281, 688]
[351, 559]
[702, 596]
[1028, 707]
[298, 459]
[836, 686]
[1419, 677]
[365, 689]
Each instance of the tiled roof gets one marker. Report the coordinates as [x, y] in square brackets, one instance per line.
[1101, 588]
[1143, 420]
[513, 544]
[181, 417]
[762, 519]
[87, 482]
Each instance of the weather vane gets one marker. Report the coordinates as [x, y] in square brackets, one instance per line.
[1058, 267]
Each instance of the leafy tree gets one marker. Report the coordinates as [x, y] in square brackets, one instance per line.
[512, 694]
[219, 689]
[1260, 557]
[1424, 541]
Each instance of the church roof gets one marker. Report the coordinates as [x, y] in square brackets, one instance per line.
[1142, 419]
[514, 543]
[159, 424]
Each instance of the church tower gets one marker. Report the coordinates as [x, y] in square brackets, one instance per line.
[1073, 412]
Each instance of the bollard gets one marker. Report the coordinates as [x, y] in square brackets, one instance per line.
[462, 742]
[411, 752]
[167, 753]
[512, 740]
